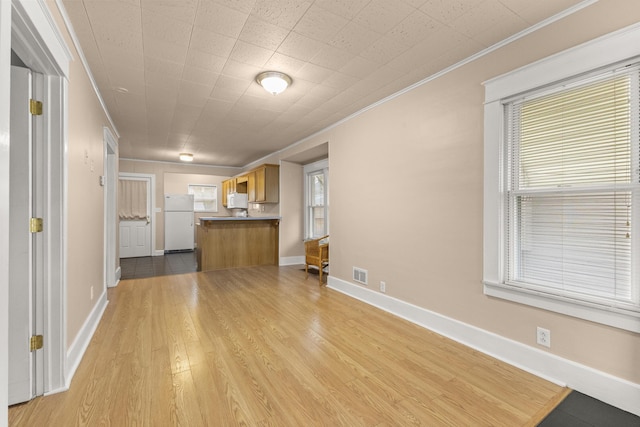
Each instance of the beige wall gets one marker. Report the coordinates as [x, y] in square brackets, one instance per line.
[291, 209]
[426, 147]
[85, 209]
[176, 177]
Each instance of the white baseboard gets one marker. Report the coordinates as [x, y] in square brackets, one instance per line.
[615, 391]
[57, 390]
[82, 340]
[292, 260]
[159, 252]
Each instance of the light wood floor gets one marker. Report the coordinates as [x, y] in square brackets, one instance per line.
[263, 347]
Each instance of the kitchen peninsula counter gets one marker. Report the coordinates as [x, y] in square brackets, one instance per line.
[230, 242]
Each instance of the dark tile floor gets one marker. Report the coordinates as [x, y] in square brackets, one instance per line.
[580, 410]
[577, 410]
[174, 263]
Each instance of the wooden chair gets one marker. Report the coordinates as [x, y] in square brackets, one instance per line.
[316, 254]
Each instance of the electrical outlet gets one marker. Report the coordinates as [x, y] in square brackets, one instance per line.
[544, 337]
[383, 287]
[92, 293]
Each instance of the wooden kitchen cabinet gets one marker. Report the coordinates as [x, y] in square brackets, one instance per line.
[261, 184]
[266, 184]
[228, 186]
[241, 184]
[237, 184]
[236, 242]
[251, 187]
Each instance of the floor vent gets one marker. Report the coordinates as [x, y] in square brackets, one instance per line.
[360, 275]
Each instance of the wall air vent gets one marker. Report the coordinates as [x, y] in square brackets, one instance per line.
[360, 275]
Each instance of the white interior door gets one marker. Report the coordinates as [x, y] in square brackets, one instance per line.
[26, 255]
[135, 235]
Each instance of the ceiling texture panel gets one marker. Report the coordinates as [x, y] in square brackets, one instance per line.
[179, 75]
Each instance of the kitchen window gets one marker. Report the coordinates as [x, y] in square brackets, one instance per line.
[562, 191]
[317, 198]
[205, 197]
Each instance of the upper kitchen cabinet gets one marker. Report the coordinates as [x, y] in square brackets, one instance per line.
[263, 184]
[228, 186]
[251, 186]
[242, 183]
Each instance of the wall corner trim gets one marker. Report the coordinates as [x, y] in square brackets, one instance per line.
[615, 391]
[81, 342]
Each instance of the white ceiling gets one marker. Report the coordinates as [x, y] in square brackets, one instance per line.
[189, 66]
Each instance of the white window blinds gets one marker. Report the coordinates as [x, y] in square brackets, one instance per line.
[205, 197]
[572, 186]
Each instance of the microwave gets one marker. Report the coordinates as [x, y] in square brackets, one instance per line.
[237, 201]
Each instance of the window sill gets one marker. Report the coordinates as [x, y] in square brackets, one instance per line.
[611, 316]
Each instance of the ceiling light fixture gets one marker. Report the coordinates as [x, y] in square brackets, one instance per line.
[186, 157]
[274, 82]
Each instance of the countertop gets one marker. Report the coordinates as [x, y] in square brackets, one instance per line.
[238, 218]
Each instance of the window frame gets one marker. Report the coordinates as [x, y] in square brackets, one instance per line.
[215, 199]
[611, 50]
[311, 169]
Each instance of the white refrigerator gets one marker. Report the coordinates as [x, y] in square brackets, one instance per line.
[178, 222]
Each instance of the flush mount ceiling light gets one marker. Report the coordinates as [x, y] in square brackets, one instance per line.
[186, 157]
[273, 82]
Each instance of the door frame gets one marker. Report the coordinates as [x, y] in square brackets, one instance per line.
[152, 204]
[5, 93]
[110, 177]
[27, 28]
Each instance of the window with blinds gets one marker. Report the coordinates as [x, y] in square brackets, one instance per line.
[316, 205]
[205, 197]
[572, 209]
[317, 208]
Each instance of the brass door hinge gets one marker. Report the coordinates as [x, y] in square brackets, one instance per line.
[36, 225]
[35, 107]
[36, 342]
